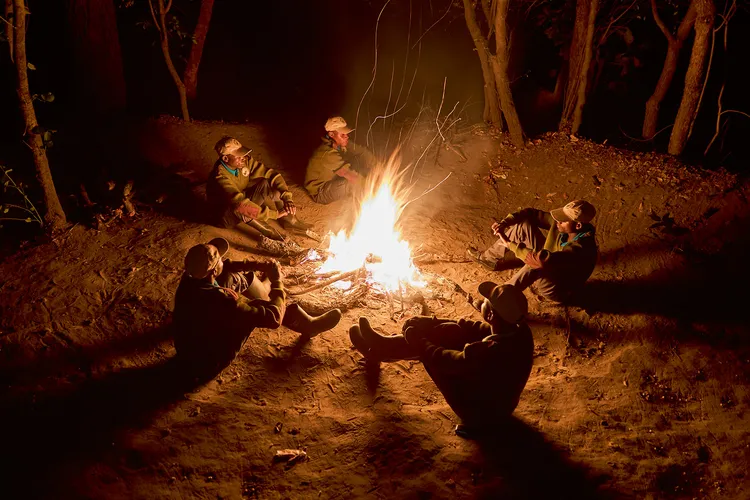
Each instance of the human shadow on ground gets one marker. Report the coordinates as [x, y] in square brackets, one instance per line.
[520, 462]
[82, 358]
[704, 290]
[65, 429]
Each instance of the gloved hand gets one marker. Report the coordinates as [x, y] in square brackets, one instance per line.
[420, 323]
[273, 271]
[536, 260]
[289, 207]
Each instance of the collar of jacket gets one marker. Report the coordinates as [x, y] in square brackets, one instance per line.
[231, 171]
[329, 142]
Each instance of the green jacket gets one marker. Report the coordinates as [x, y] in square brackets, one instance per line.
[327, 160]
[570, 262]
[484, 381]
[225, 187]
[211, 326]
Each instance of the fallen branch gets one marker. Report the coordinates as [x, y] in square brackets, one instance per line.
[325, 283]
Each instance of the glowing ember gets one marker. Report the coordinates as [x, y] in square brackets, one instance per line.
[375, 243]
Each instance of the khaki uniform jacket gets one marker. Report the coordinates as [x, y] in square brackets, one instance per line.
[210, 325]
[570, 262]
[484, 381]
[225, 188]
[327, 160]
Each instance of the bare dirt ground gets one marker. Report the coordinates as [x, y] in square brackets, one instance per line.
[639, 390]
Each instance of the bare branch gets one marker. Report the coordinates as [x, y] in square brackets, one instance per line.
[603, 38]
[659, 22]
[153, 15]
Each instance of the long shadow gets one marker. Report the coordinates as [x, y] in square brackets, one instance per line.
[70, 427]
[521, 463]
[705, 289]
[82, 357]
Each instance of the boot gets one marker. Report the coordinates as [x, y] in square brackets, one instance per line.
[358, 342]
[290, 221]
[383, 348]
[298, 320]
[265, 230]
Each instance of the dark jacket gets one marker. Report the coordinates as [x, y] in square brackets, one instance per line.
[481, 372]
[571, 262]
[226, 188]
[211, 326]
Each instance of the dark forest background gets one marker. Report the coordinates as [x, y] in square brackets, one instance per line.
[288, 65]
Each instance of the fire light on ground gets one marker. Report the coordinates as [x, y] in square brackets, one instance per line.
[375, 241]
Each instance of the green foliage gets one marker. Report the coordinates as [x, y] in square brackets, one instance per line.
[46, 97]
[24, 212]
[174, 19]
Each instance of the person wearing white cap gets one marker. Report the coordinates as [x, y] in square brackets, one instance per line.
[556, 250]
[242, 189]
[220, 302]
[480, 367]
[335, 168]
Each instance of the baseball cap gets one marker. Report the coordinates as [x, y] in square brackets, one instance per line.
[575, 211]
[338, 124]
[201, 259]
[507, 300]
[231, 146]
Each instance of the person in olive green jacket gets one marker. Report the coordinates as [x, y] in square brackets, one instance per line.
[481, 368]
[336, 169]
[242, 189]
[220, 302]
[557, 250]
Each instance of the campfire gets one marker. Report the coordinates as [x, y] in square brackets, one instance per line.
[370, 261]
[375, 243]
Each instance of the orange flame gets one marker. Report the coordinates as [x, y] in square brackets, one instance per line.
[376, 234]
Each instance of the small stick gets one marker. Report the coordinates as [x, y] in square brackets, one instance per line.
[325, 283]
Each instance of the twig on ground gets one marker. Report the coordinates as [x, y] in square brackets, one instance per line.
[325, 283]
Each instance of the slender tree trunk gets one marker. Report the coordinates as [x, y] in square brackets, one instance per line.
[583, 77]
[491, 104]
[704, 23]
[674, 47]
[500, 67]
[98, 72]
[54, 216]
[161, 24]
[190, 76]
[576, 59]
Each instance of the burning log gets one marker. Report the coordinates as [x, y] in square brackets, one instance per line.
[329, 281]
[344, 301]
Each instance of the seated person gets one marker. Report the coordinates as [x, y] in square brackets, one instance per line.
[220, 302]
[335, 169]
[481, 368]
[557, 249]
[242, 189]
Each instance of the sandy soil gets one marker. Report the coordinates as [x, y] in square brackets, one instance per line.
[639, 390]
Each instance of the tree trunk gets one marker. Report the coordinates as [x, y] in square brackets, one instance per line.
[500, 67]
[161, 24]
[98, 71]
[583, 77]
[190, 76]
[674, 47]
[575, 61]
[704, 23]
[54, 216]
[491, 104]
